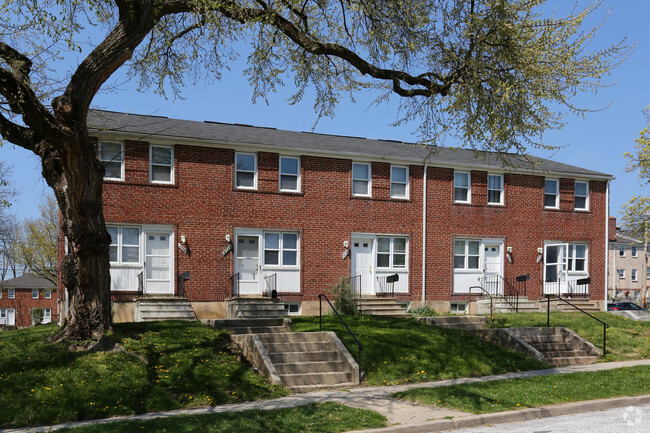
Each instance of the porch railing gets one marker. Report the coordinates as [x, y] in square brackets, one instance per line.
[568, 289]
[548, 317]
[320, 314]
[141, 283]
[508, 289]
[387, 285]
[181, 283]
[270, 281]
[234, 285]
[355, 285]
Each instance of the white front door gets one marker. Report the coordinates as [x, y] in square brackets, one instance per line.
[362, 264]
[157, 263]
[7, 316]
[555, 269]
[492, 268]
[247, 264]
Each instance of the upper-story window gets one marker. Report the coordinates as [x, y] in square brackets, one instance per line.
[289, 174]
[551, 194]
[621, 251]
[361, 179]
[399, 181]
[462, 187]
[111, 155]
[34, 293]
[47, 294]
[11, 293]
[246, 170]
[633, 251]
[621, 274]
[495, 189]
[125, 244]
[581, 195]
[161, 164]
[633, 275]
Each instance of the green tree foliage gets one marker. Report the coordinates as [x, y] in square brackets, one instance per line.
[636, 212]
[39, 238]
[494, 73]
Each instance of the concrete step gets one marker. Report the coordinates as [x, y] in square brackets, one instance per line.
[565, 353]
[309, 367]
[299, 346]
[254, 308]
[328, 378]
[382, 307]
[465, 323]
[258, 330]
[316, 356]
[572, 360]
[533, 339]
[154, 309]
[312, 388]
[296, 337]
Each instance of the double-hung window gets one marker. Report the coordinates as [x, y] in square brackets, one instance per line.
[633, 251]
[577, 258]
[289, 174]
[466, 254]
[11, 293]
[462, 187]
[34, 293]
[621, 274]
[280, 249]
[161, 164]
[361, 179]
[125, 244]
[111, 155]
[621, 251]
[581, 195]
[47, 294]
[391, 252]
[551, 194]
[246, 170]
[399, 182]
[495, 189]
[633, 275]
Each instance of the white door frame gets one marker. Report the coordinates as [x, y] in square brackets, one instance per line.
[562, 274]
[251, 286]
[367, 283]
[164, 287]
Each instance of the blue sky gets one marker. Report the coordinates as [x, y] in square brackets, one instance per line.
[596, 141]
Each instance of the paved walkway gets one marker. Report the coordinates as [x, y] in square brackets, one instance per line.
[402, 416]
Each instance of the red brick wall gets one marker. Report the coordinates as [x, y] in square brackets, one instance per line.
[23, 304]
[204, 206]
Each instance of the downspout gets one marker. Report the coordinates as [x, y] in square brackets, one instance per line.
[607, 243]
[424, 234]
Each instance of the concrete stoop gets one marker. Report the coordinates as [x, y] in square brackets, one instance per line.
[382, 307]
[465, 323]
[301, 361]
[251, 326]
[163, 308]
[555, 346]
[583, 304]
[254, 307]
[524, 305]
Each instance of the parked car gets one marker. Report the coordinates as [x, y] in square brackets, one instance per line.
[617, 306]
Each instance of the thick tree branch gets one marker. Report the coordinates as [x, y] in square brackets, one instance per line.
[16, 134]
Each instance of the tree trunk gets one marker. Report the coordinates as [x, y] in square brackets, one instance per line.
[76, 179]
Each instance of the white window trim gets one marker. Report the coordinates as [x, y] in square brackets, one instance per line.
[406, 189]
[586, 208]
[466, 255]
[297, 313]
[280, 174]
[391, 253]
[11, 293]
[119, 244]
[621, 251]
[501, 190]
[469, 187]
[621, 274]
[47, 294]
[280, 250]
[171, 166]
[634, 251]
[254, 187]
[368, 180]
[99, 146]
[586, 258]
[634, 275]
[557, 193]
[35, 292]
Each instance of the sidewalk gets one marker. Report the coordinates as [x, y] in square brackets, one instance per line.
[406, 417]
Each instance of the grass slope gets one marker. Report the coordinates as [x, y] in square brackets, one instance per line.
[505, 395]
[313, 418]
[176, 364]
[403, 350]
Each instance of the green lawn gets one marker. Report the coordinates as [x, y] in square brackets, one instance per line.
[403, 350]
[505, 395]
[313, 418]
[626, 338]
[172, 365]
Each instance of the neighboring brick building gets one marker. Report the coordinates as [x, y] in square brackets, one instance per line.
[627, 273]
[19, 296]
[304, 209]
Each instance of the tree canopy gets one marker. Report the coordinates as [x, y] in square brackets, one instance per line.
[495, 73]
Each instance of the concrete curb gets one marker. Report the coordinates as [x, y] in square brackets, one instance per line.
[472, 421]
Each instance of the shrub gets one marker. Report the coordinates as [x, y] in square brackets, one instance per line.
[344, 300]
[424, 311]
[37, 315]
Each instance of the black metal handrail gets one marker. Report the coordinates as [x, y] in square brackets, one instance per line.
[320, 313]
[141, 283]
[492, 285]
[270, 281]
[386, 286]
[569, 289]
[548, 318]
[234, 284]
[355, 285]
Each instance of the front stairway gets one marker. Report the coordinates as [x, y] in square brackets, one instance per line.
[559, 346]
[162, 308]
[254, 307]
[381, 307]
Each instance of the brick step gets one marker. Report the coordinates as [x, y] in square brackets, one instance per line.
[315, 356]
[328, 378]
[309, 367]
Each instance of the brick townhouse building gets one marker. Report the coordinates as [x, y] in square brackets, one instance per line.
[236, 208]
[21, 295]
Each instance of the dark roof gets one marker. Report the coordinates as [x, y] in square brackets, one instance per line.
[151, 127]
[27, 281]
